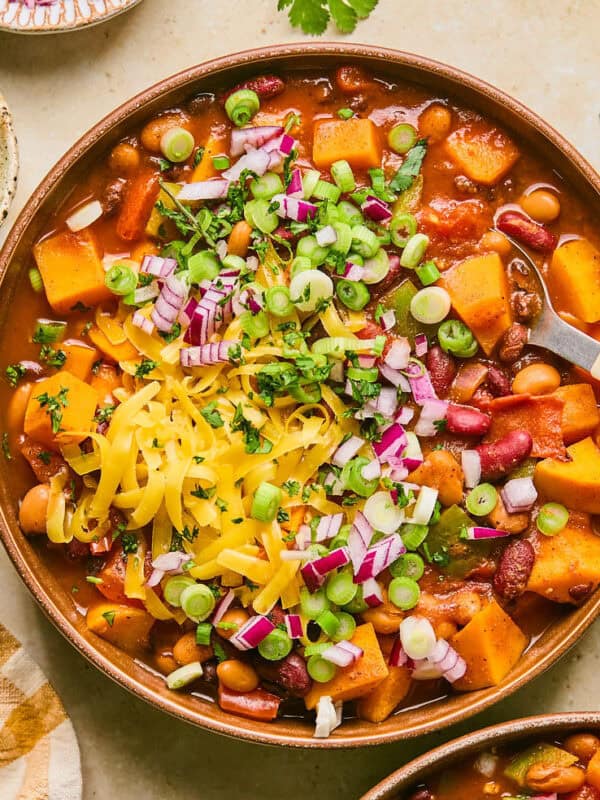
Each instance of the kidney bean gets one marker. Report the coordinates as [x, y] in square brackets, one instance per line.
[581, 592]
[290, 673]
[525, 305]
[586, 792]
[482, 398]
[466, 420]
[498, 382]
[514, 569]
[352, 79]
[76, 550]
[442, 369]
[526, 231]
[583, 745]
[512, 343]
[265, 86]
[503, 455]
[112, 196]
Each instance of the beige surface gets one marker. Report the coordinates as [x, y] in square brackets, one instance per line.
[546, 54]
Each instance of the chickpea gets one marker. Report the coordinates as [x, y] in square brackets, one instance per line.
[186, 651]
[582, 745]
[548, 778]
[536, 379]
[466, 605]
[235, 616]
[125, 159]
[495, 241]
[541, 205]
[32, 513]
[435, 122]
[386, 618]
[154, 130]
[164, 662]
[17, 405]
[237, 676]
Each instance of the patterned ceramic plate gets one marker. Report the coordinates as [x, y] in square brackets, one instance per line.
[9, 160]
[28, 16]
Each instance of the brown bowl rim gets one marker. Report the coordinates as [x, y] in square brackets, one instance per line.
[420, 768]
[293, 732]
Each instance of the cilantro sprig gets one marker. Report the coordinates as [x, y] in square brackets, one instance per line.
[313, 16]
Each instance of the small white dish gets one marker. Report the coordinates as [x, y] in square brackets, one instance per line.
[20, 16]
[9, 160]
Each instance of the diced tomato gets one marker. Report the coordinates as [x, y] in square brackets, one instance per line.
[113, 576]
[455, 221]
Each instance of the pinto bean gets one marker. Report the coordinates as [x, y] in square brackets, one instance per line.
[514, 569]
[582, 745]
[503, 455]
[525, 305]
[586, 792]
[32, 513]
[527, 231]
[186, 651]
[512, 343]
[351, 80]
[290, 674]
[550, 778]
[265, 86]
[466, 420]
[442, 369]
[498, 382]
[200, 102]
[465, 185]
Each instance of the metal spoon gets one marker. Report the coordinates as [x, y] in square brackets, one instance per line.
[550, 331]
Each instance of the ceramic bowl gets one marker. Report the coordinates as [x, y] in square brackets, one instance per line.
[212, 76]
[62, 15]
[549, 726]
[9, 160]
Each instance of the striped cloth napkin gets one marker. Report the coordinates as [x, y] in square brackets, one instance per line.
[39, 754]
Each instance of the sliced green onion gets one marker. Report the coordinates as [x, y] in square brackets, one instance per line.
[309, 181]
[184, 675]
[337, 346]
[316, 649]
[404, 593]
[341, 588]
[377, 267]
[409, 565]
[552, 518]
[275, 646]
[255, 325]
[358, 605]
[234, 262]
[414, 250]
[177, 145]
[428, 273]
[368, 374]
[352, 477]
[307, 393]
[266, 501]
[403, 227]
[308, 290]
[430, 305]
[349, 213]
[257, 213]
[175, 587]
[197, 602]
[402, 138]
[326, 191]
[343, 243]
[203, 633]
[35, 279]
[353, 294]
[48, 331]
[277, 299]
[413, 535]
[300, 264]
[221, 162]
[347, 624]
[482, 500]
[345, 113]
[328, 622]
[308, 247]
[312, 605]
[120, 279]
[341, 540]
[203, 266]
[342, 174]
[320, 670]
[266, 187]
[241, 106]
[364, 241]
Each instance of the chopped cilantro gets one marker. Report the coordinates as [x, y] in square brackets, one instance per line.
[164, 165]
[291, 487]
[6, 447]
[104, 414]
[199, 459]
[198, 156]
[212, 416]
[203, 494]
[410, 167]
[345, 113]
[54, 405]
[282, 515]
[379, 312]
[109, 616]
[170, 336]
[14, 373]
[45, 457]
[144, 367]
[250, 433]
[129, 542]
[222, 505]
[440, 425]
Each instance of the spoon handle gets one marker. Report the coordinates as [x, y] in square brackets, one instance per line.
[551, 332]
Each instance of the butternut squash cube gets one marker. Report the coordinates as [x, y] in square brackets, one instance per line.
[355, 140]
[479, 292]
[72, 270]
[57, 405]
[441, 471]
[491, 644]
[575, 483]
[592, 775]
[124, 626]
[565, 561]
[218, 142]
[580, 416]
[386, 696]
[575, 277]
[80, 358]
[116, 352]
[484, 156]
[358, 679]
